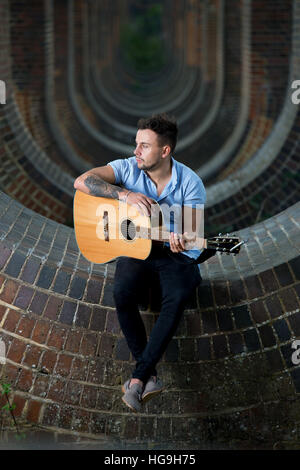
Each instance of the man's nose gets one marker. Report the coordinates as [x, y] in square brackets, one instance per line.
[137, 150]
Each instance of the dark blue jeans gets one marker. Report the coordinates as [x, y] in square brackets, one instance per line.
[178, 277]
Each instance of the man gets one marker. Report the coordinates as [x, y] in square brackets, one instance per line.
[151, 175]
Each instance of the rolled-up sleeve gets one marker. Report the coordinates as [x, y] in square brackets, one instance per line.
[195, 193]
[121, 169]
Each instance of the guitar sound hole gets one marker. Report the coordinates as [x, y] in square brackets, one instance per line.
[128, 229]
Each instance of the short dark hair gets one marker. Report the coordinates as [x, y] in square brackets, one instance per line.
[163, 125]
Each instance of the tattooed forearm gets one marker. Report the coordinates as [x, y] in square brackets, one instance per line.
[100, 188]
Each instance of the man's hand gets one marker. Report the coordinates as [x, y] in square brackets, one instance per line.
[141, 202]
[183, 242]
[177, 242]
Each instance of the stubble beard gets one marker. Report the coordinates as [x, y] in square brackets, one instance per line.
[149, 167]
[144, 167]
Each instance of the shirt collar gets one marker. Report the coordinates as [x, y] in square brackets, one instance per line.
[174, 176]
[174, 173]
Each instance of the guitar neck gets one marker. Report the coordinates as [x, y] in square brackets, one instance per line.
[160, 235]
[224, 244]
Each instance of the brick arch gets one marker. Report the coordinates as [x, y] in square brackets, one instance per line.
[228, 368]
[228, 364]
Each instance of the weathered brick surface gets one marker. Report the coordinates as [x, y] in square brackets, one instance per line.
[69, 355]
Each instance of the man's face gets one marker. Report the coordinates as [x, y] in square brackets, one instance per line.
[148, 151]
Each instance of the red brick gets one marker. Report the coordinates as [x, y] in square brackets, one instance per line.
[11, 374]
[73, 340]
[64, 364]
[96, 371]
[73, 393]
[16, 350]
[131, 428]
[48, 360]
[40, 331]
[41, 385]
[56, 389]
[104, 401]
[11, 320]
[98, 423]
[19, 402]
[25, 380]
[89, 397]
[53, 307]
[9, 291]
[106, 345]
[32, 355]
[89, 344]
[33, 411]
[81, 421]
[51, 414]
[66, 415]
[57, 337]
[2, 311]
[25, 327]
[79, 369]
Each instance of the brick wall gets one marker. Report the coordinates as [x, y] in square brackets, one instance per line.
[66, 357]
[229, 377]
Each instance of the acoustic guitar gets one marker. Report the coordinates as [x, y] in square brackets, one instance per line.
[108, 228]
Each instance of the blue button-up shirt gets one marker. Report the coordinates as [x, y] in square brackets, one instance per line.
[185, 188]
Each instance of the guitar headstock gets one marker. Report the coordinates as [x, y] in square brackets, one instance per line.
[229, 244]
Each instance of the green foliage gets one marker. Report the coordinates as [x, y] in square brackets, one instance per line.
[6, 389]
[141, 42]
[9, 407]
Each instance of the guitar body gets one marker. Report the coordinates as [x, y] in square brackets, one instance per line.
[105, 229]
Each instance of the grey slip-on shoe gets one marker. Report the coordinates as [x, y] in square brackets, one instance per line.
[151, 389]
[132, 396]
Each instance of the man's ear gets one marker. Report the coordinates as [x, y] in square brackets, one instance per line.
[166, 151]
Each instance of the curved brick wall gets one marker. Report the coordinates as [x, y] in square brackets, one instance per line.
[228, 371]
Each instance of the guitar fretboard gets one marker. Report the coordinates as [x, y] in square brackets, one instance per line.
[158, 234]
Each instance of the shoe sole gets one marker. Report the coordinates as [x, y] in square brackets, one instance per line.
[150, 395]
[129, 406]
